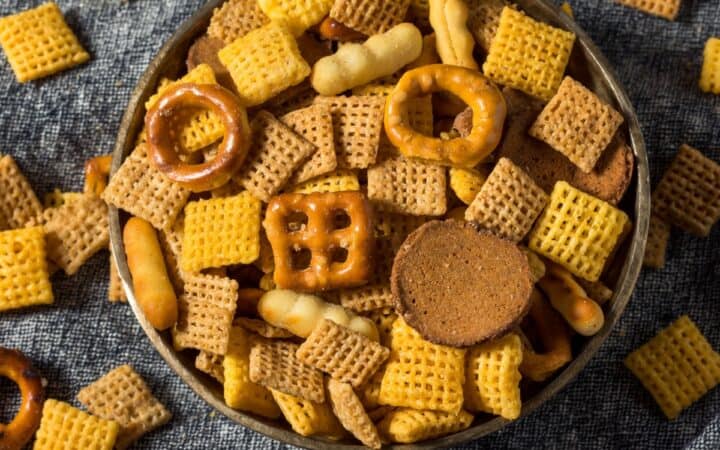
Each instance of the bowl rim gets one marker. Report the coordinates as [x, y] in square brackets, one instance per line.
[627, 279]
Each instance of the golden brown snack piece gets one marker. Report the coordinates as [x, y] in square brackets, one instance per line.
[457, 286]
[17, 368]
[351, 413]
[204, 51]
[97, 170]
[454, 41]
[153, 290]
[333, 30]
[428, 55]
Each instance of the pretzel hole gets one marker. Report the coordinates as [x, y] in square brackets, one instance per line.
[11, 398]
[300, 258]
[296, 221]
[341, 219]
[338, 255]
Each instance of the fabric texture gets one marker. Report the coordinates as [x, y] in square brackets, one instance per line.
[52, 126]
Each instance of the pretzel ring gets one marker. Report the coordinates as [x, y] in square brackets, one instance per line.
[483, 97]
[231, 152]
[16, 367]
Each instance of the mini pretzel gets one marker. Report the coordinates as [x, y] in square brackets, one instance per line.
[97, 170]
[230, 154]
[486, 101]
[333, 30]
[16, 367]
[315, 232]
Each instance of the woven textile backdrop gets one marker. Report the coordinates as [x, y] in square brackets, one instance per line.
[51, 127]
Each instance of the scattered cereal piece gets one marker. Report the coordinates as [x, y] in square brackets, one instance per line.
[668, 9]
[657, 241]
[336, 181]
[64, 427]
[466, 183]
[369, 17]
[236, 18]
[710, 75]
[349, 410]
[19, 206]
[298, 16]
[315, 124]
[678, 366]
[308, 418]
[24, 278]
[405, 425]
[275, 365]
[212, 364]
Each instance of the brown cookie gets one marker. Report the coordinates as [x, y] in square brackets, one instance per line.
[608, 180]
[204, 51]
[458, 286]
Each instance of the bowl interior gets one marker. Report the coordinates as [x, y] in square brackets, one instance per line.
[587, 65]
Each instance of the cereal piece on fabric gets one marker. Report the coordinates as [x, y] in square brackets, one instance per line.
[466, 183]
[253, 62]
[211, 363]
[76, 231]
[275, 153]
[308, 418]
[528, 55]
[678, 366]
[369, 17]
[349, 410]
[688, 195]
[335, 181]
[358, 122]
[236, 18]
[38, 42]
[483, 20]
[19, 206]
[567, 9]
[275, 365]
[710, 74]
[241, 393]
[315, 124]
[171, 245]
[64, 427]
[384, 319]
[657, 241]
[508, 202]
[667, 9]
[298, 16]
[123, 397]
[405, 186]
[116, 293]
[420, 374]
[24, 277]
[406, 425]
[221, 232]
[262, 328]
[143, 191]
[578, 231]
[346, 355]
[577, 123]
[205, 313]
[492, 382]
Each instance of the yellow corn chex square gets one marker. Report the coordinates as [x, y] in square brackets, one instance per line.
[466, 183]
[406, 425]
[492, 377]
[710, 75]
[578, 231]
[264, 62]
[297, 15]
[308, 418]
[528, 55]
[240, 392]
[337, 181]
[221, 232]
[64, 427]
[38, 42]
[678, 366]
[420, 374]
[24, 279]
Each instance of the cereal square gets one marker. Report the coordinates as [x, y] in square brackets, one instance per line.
[406, 425]
[370, 17]
[24, 278]
[667, 9]
[212, 364]
[297, 15]
[64, 427]
[349, 410]
[336, 181]
[483, 20]
[315, 124]
[657, 241]
[236, 18]
[308, 418]
[710, 75]
[19, 206]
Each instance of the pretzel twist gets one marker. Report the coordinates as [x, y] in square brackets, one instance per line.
[17, 368]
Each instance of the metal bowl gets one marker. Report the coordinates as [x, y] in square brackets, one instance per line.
[587, 63]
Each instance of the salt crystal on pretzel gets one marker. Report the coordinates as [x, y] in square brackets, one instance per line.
[315, 124]
[369, 17]
[18, 205]
[349, 410]
[406, 425]
[24, 278]
[64, 426]
[236, 18]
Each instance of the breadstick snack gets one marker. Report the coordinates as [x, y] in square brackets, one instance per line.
[454, 41]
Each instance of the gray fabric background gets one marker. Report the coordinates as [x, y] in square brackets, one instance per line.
[52, 126]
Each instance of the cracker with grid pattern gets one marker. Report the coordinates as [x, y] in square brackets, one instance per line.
[528, 55]
[262, 328]
[76, 231]
[349, 410]
[275, 153]
[211, 364]
[578, 231]
[205, 313]
[688, 195]
[171, 245]
[483, 20]
[667, 9]
[508, 202]
[492, 382]
[346, 355]
[357, 126]
[308, 418]
[340, 180]
[369, 17]
[221, 232]
[420, 111]
[377, 293]
[38, 43]
[241, 393]
[19, 206]
[406, 186]
[24, 277]
[275, 365]
[710, 74]
[253, 63]
[315, 124]
[236, 18]
[678, 366]
[64, 427]
[577, 123]
[122, 396]
[406, 425]
[143, 191]
[298, 16]
[420, 374]
[657, 241]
